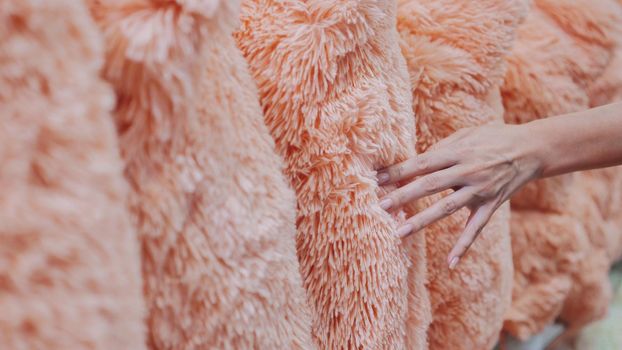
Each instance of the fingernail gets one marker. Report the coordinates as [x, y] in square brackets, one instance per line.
[453, 262]
[383, 178]
[386, 203]
[404, 230]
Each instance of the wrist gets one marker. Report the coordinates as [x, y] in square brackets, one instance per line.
[531, 156]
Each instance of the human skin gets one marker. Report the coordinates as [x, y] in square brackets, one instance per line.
[486, 165]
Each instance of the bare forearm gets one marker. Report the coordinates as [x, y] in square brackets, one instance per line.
[579, 141]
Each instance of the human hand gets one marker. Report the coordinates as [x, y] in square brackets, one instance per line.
[483, 165]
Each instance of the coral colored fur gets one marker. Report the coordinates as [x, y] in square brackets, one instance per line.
[215, 216]
[69, 257]
[455, 54]
[562, 49]
[241, 173]
[336, 99]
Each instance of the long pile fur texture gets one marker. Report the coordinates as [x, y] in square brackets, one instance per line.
[455, 52]
[215, 216]
[69, 257]
[606, 188]
[563, 229]
[335, 94]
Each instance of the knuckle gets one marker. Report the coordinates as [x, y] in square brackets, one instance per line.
[449, 206]
[430, 183]
[396, 171]
[416, 224]
[422, 163]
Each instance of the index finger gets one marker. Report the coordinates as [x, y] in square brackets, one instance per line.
[421, 164]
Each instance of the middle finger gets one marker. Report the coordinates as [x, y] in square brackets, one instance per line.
[443, 208]
[422, 187]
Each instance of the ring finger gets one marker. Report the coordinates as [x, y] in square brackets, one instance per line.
[443, 208]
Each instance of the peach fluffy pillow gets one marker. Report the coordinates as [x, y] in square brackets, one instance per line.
[215, 216]
[69, 256]
[335, 94]
[455, 52]
[561, 229]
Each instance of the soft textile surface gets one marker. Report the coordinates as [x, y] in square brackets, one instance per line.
[69, 258]
[455, 53]
[563, 229]
[606, 188]
[335, 94]
[214, 214]
[605, 334]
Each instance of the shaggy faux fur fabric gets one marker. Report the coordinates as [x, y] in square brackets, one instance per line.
[542, 272]
[214, 213]
[591, 293]
[605, 185]
[336, 99]
[455, 52]
[605, 335]
[69, 258]
[562, 49]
